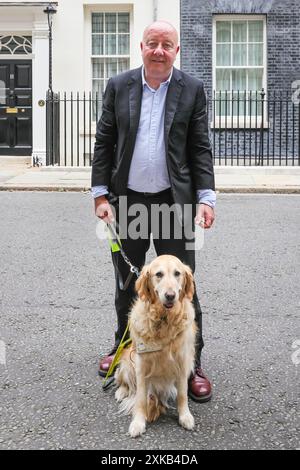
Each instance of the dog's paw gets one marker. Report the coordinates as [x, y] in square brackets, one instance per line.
[137, 427]
[187, 421]
[121, 393]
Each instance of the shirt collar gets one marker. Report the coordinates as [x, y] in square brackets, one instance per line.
[163, 83]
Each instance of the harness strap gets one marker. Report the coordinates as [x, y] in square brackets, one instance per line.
[116, 360]
[116, 246]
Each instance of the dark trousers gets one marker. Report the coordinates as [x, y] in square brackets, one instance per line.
[136, 250]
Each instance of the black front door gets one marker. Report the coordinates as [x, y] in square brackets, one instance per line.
[15, 107]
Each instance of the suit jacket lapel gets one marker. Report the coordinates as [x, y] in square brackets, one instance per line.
[173, 95]
[134, 85]
[135, 100]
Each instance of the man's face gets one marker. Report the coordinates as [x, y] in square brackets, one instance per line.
[159, 49]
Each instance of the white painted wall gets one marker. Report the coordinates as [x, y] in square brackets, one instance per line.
[72, 45]
[72, 36]
[31, 21]
[40, 78]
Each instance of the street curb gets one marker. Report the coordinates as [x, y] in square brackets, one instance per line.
[259, 189]
[218, 169]
[59, 189]
[221, 189]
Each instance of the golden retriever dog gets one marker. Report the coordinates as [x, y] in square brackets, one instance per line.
[158, 363]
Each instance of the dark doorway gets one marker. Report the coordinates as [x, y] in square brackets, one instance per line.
[15, 107]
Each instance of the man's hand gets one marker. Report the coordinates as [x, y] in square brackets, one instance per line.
[205, 216]
[103, 210]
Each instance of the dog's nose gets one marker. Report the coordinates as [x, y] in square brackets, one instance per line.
[169, 296]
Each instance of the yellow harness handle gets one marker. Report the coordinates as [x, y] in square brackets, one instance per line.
[116, 360]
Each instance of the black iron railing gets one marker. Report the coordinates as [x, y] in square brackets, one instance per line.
[254, 128]
[246, 128]
[71, 127]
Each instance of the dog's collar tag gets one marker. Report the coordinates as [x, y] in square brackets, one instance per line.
[142, 348]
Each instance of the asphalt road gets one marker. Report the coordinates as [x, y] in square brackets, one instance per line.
[57, 318]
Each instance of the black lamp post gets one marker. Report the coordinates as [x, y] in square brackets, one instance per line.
[50, 10]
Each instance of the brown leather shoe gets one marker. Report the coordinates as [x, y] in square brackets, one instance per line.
[199, 387]
[104, 364]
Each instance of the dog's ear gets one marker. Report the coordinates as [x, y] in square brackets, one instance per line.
[143, 285]
[189, 287]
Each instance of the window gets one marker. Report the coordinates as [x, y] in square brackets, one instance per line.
[15, 45]
[239, 59]
[110, 47]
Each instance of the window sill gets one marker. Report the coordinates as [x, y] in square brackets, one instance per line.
[240, 124]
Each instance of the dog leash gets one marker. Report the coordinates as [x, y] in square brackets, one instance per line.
[116, 246]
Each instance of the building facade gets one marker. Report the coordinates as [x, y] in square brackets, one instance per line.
[248, 55]
[92, 40]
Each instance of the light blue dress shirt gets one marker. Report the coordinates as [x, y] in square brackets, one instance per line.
[148, 170]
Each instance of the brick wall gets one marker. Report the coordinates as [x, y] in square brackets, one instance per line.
[283, 58]
[283, 37]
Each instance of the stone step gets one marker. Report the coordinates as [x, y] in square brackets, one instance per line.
[14, 161]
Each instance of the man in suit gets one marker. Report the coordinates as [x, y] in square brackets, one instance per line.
[152, 146]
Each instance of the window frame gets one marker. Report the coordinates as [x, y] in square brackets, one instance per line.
[107, 56]
[239, 121]
[88, 11]
[18, 33]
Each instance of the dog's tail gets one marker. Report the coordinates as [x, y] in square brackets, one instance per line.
[127, 404]
[155, 407]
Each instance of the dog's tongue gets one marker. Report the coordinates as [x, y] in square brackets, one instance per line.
[169, 305]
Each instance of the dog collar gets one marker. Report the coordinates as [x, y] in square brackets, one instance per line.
[142, 348]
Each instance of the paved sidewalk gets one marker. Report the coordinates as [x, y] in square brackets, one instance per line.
[228, 179]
